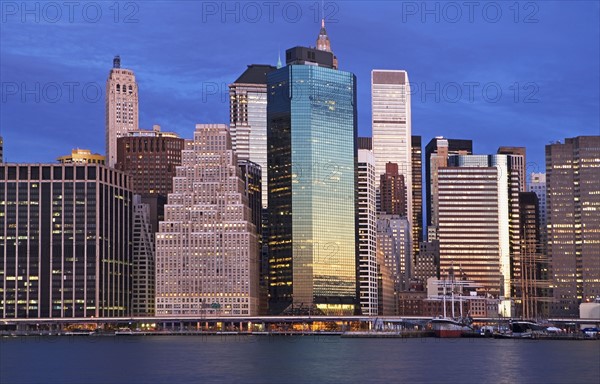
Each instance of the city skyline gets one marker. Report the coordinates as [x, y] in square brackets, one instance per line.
[198, 82]
[242, 191]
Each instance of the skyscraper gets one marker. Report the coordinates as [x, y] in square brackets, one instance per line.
[537, 184]
[151, 158]
[323, 43]
[436, 155]
[251, 174]
[573, 198]
[393, 242]
[65, 236]
[367, 234]
[519, 162]
[207, 247]
[417, 193]
[386, 290]
[391, 124]
[531, 277]
[426, 265]
[473, 225]
[392, 191]
[121, 107]
[365, 143]
[143, 260]
[248, 118]
[478, 221]
[312, 130]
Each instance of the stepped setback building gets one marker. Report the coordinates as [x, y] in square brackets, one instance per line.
[207, 246]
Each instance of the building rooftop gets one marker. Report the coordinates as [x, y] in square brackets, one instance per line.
[255, 74]
[82, 156]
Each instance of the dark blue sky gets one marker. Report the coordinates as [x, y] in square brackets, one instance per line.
[54, 59]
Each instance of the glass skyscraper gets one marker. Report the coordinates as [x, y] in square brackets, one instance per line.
[312, 131]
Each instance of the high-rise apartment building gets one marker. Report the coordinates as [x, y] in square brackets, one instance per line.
[312, 130]
[436, 155]
[143, 260]
[391, 125]
[248, 118]
[573, 206]
[367, 234]
[65, 237]
[392, 191]
[417, 193]
[122, 114]
[207, 247]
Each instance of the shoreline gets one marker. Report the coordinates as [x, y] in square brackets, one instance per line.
[231, 334]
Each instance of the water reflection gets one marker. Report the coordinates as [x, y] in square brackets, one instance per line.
[308, 359]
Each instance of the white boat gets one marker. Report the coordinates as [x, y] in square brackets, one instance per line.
[446, 327]
[124, 331]
[78, 333]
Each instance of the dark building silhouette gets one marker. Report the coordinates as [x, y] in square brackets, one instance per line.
[417, 194]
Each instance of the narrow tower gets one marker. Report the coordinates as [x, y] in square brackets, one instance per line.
[121, 107]
[323, 43]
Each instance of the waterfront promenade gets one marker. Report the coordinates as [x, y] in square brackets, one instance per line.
[348, 326]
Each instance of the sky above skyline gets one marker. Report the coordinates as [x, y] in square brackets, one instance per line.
[499, 73]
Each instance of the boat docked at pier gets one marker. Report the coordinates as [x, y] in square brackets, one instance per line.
[452, 290]
[446, 327]
[521, 329]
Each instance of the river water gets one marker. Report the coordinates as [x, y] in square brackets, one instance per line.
[307, 359]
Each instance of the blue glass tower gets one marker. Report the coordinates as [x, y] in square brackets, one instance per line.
[312, 154]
